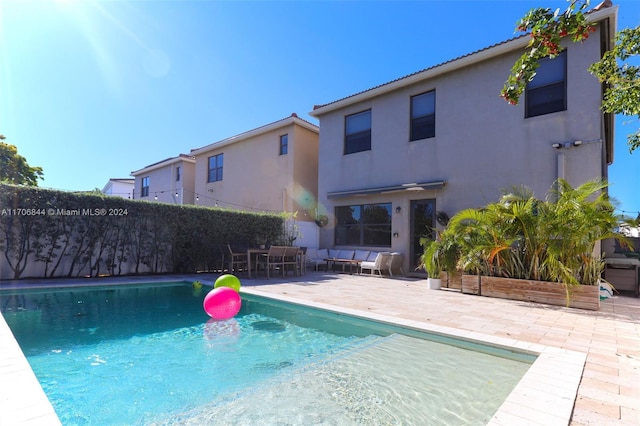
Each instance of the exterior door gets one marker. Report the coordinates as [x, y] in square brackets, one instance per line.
[423, 223]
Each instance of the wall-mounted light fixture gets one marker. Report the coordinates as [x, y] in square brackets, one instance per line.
[396, 235]
[398, 209]
[558, 145]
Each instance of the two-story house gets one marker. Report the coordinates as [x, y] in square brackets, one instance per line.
[397, 159]
[167, 181]
[272, 168]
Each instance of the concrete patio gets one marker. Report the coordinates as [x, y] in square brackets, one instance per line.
[609, 388]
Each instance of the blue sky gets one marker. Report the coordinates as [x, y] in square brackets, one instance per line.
[94, 89]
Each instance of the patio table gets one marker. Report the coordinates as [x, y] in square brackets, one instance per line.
[351, 262]
[253, 252]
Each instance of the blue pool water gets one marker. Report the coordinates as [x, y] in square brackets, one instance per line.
[150, 355]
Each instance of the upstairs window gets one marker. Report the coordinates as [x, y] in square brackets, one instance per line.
[423, 116]
[145, 186]
[284, 144]
[547, 92]
[177, 173]
[357, 132]
[215, 168]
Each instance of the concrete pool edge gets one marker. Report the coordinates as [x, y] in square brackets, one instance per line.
[544, 396]
[22, 399]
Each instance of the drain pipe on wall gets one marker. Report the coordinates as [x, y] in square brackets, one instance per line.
[561, 165]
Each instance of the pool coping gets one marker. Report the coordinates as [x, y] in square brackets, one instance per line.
[544, 396]
[22, 399]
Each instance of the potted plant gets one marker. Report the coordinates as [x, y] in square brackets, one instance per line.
[432, 263]
[261, 241]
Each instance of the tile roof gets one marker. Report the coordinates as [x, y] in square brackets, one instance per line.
[315, 107]
[602, 5]
[293, 118]
[169, 160]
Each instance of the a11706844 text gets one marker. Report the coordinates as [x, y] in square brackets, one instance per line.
[63, 212]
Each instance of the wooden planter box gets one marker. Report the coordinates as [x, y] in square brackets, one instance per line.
[583, 296]
[470, 284]
[454, 280]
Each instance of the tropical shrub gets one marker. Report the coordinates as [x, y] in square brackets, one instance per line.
[526, 238]
[77, 234]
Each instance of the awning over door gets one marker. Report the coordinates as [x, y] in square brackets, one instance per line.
[387, 189]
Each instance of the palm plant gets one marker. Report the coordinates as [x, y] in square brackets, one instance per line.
[431, 258]
[439, 255]
[576, 221]
[523, 237]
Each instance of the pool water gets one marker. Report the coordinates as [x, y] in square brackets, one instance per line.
[150, 355]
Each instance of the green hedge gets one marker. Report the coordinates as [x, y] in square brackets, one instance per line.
[78, 234]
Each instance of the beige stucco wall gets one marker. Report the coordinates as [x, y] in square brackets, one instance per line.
[303, 188]
[256, 177]
[187, 182]
[482, 144]
[160, 185]
[163, 184]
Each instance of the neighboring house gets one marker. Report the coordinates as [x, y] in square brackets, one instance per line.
[273, 168]
[120, 187]
[397, 159]
[167, 181]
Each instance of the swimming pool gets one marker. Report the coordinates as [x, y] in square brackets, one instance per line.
[149, 355]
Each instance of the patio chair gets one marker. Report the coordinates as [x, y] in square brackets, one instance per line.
[218, 261]
[272, 260]
[381, 263]
[291, 260]
[236, 261]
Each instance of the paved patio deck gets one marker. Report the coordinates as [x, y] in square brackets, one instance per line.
[609, 388]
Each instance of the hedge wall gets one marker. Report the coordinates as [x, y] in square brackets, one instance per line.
[63, 234]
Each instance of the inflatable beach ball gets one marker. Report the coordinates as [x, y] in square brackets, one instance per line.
[227, 280]
[222, 303]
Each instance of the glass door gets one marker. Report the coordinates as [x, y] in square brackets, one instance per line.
[423, 222]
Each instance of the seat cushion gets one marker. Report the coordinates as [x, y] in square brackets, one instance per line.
[312, 253]
[361, 255]
[346, 254]
[323, 254]
[367, 265]
[372, 256]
